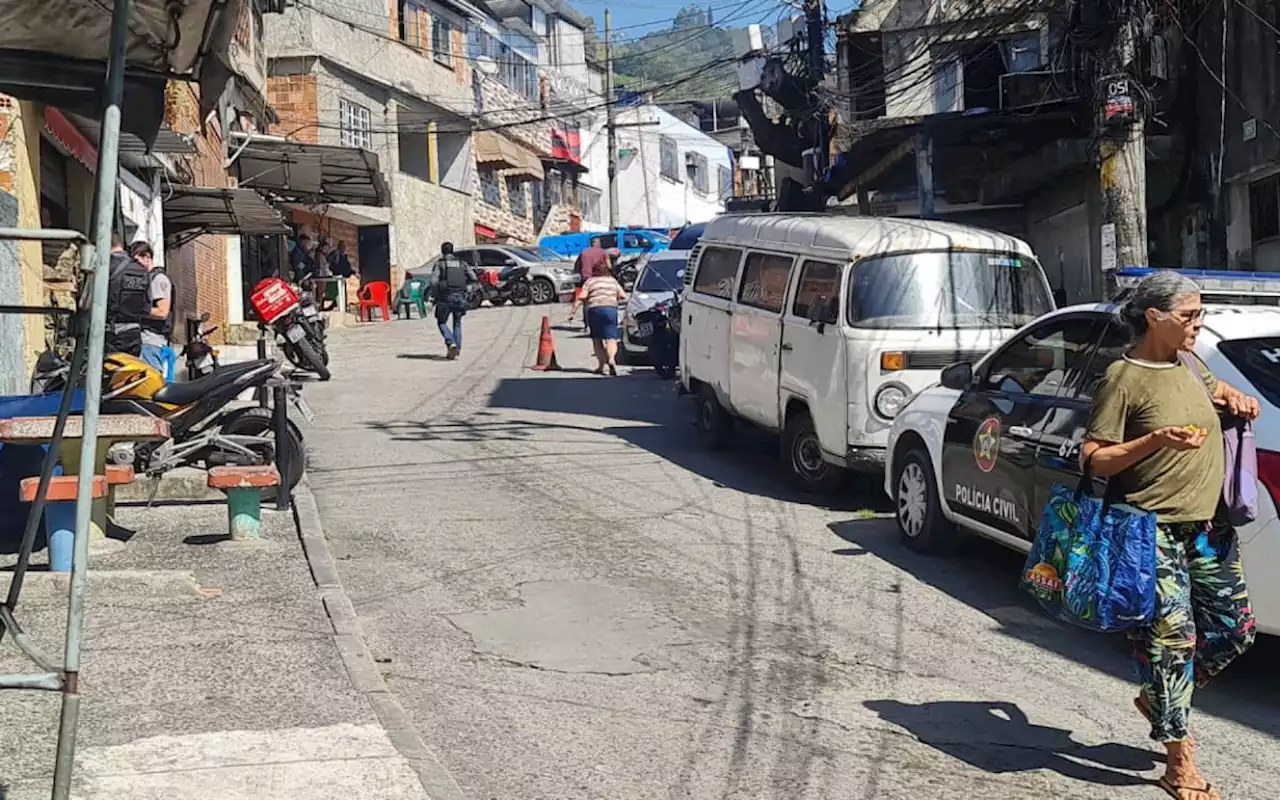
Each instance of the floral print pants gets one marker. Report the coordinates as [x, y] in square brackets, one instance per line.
[1203, 620]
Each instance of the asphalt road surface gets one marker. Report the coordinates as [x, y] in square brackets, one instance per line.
[573, 601]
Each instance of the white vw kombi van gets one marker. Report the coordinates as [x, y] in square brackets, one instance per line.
[820, 327]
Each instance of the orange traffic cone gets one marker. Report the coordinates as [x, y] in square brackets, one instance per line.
[546, 349]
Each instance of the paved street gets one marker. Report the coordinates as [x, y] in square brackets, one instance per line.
[572, 601]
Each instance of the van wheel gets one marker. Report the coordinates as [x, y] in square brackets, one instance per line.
[714, 424]
[918, 508]
[802, 455]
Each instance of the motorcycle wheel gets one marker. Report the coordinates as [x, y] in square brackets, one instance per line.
[475, 299]
[257, 422]
[305, 357]
[521, 294]
[497, 301]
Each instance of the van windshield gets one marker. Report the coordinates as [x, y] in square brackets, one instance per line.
[948, 290]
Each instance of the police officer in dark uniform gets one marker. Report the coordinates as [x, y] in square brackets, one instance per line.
[452, 282]
[128, 301]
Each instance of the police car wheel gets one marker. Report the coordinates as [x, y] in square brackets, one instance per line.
[802, 455]
[918, 512]
[713, 422]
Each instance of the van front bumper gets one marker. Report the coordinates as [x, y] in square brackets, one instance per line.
[866, 459]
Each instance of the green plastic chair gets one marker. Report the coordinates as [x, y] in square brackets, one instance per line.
[413, 293]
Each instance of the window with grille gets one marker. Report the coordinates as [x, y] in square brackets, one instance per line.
[669, 158]
[724, 179]
[356, 125]
[1264, 208]
[589, 203]
[515, 198]
[490, 191]
[442, 41]
[698, 173]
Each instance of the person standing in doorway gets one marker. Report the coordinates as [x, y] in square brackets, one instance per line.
[128, 301]
[158, 325]
[339, 261]
[452, 282]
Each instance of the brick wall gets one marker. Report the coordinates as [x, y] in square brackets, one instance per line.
[198, 269]
[294, 97]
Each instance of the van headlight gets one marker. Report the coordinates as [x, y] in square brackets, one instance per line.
[890, 400]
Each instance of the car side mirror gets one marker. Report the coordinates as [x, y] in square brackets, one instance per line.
[958, 376]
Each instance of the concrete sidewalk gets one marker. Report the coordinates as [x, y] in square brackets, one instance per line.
[211, 671]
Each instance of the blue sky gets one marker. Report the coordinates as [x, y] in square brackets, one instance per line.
[633, 19]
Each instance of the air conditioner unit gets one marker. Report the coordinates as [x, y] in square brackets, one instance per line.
[747, 41]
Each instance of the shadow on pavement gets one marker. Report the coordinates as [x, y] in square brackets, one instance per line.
[751, 465]
[998, 738]
[984, 576]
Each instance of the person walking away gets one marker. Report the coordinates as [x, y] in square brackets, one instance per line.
[128, 301]
[602, 294]
[452, 282]
[1155, 432]
[157, 327]
[586, 264]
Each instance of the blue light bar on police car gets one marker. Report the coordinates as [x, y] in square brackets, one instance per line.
[1212, 281]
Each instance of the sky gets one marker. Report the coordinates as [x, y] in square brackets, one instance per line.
[634, 18]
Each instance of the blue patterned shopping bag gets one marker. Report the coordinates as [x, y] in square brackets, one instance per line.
[1093, 563]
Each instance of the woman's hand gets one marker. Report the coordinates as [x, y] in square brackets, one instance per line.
[1179, 438]
[1242, 405]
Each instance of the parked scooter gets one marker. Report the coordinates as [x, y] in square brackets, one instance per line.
[510, 284]
[203, 430]
[298, 325]
[201, 357]
[658, 329]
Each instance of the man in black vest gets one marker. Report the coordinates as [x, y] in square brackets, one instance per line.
[452, 282]
[128, 301]
[158, 324]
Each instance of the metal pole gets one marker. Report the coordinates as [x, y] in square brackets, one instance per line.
[280, 424]
[611, 120]
[815, 32]
[262, 356]
[104, 206]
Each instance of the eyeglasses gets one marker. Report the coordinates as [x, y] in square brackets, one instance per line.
[1186, 316]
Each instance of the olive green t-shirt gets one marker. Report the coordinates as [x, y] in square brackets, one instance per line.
[1137, 397]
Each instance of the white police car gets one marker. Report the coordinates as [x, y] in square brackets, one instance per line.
[981, 450]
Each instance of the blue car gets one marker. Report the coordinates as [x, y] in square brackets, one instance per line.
[628, 242]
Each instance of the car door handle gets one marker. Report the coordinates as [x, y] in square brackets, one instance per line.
[1020, 431]
[786, 346]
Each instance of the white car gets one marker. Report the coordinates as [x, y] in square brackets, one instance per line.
[982, 450]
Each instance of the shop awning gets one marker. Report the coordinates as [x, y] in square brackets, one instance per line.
[309, 173]
[501, 153]
[54, 52]
[192, 211]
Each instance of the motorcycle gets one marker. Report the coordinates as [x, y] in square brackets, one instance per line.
[626, 269]
[298, 325]
[511, 283]
[201, 357]
[203, 431]
[658, 329]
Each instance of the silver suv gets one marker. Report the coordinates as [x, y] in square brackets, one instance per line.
[551, 274]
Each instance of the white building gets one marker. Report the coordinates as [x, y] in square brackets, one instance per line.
[669, 172]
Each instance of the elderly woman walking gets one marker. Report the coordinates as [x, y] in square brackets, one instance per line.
[1154, 430]
[601, 294]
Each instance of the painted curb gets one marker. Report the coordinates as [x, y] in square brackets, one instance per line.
[356, 658]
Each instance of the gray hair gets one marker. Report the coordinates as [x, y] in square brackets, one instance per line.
[1160, 290]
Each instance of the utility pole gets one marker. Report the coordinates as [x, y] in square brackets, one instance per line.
[815, 35]
[611, 119]
[1122, 158]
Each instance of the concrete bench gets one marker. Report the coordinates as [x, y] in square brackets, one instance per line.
[60, 513]
[243, 487]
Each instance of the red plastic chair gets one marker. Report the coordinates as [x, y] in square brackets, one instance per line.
[375, 295]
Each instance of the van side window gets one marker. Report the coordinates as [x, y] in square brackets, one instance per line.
[818, 279]
[716, 272]
[764, 281]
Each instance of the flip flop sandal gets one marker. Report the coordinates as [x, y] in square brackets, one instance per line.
[1179, 792]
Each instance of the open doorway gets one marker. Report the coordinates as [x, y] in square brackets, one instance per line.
[374, 248]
